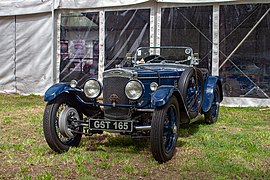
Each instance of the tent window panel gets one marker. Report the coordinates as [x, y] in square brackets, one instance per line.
[189, 26]
[125, 31]
[79, 46]
[245, 50]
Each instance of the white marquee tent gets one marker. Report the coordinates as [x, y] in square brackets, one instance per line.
[46, 41]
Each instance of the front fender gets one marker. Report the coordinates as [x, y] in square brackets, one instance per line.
[161, 96]
[210, 84]
[57, 89]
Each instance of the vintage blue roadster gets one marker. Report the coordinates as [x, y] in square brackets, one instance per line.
[150, 94]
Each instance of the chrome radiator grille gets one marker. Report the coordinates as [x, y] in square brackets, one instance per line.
[114, 87]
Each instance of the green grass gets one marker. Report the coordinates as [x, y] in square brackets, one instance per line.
[236, 147]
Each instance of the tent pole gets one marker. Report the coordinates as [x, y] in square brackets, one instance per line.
[101, 45]
[53, 45]
[155, 23]
[215, 44]
[158, 26]
[152, 26]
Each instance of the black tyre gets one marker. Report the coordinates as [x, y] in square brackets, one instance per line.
[191, 86]
[165, 130]
[211, 116]
[57, 141]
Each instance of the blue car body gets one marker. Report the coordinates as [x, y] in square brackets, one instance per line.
[167, 77]
[162, 89]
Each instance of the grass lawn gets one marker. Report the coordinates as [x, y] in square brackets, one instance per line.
[236, 147]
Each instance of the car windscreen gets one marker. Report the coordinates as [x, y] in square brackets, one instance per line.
[180, 55]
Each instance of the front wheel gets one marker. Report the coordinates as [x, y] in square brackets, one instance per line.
[59, 123]
[211, 116]
[164, 130]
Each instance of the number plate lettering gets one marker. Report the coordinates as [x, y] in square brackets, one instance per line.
[121, 126]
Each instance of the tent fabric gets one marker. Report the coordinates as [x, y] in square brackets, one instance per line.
[7, 54]
[22, 7]
[77, 4]
[33, 53]
[212, 1]
[196, 1]
[25, 53]
[245, 102]
[97, 3]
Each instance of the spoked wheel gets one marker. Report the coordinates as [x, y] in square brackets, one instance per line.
[211, 116]
[192, 88]
[59, 124]
[164, 130]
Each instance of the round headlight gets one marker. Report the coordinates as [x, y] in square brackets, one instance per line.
[92, 88]
[153, 86]
[73, 83]
[134, 89]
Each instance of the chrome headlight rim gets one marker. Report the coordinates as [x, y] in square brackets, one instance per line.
[73, 83]
[153, 86]
[98, 86]
[140, 94]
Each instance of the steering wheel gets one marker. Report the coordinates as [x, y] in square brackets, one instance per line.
[153, 58]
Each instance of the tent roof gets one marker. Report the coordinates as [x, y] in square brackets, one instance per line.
[21, 7]
[74, 4]
[196, 1]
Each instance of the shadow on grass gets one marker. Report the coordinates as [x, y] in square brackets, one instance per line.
[99, 142]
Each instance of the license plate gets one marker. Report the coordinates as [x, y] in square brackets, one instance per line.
[109, 125]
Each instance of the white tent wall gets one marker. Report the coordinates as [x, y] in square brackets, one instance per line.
[26, 45]
[33, 53]
[94, 4]
[86, 4]
[7, 54]
[23, 7]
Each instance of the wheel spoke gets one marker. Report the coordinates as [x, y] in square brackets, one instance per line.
[168, 129]
[63, 139]
[163, 140]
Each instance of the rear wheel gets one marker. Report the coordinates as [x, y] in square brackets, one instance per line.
[211, 116]
[164, 130]
[59, 124]
[192, 88]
